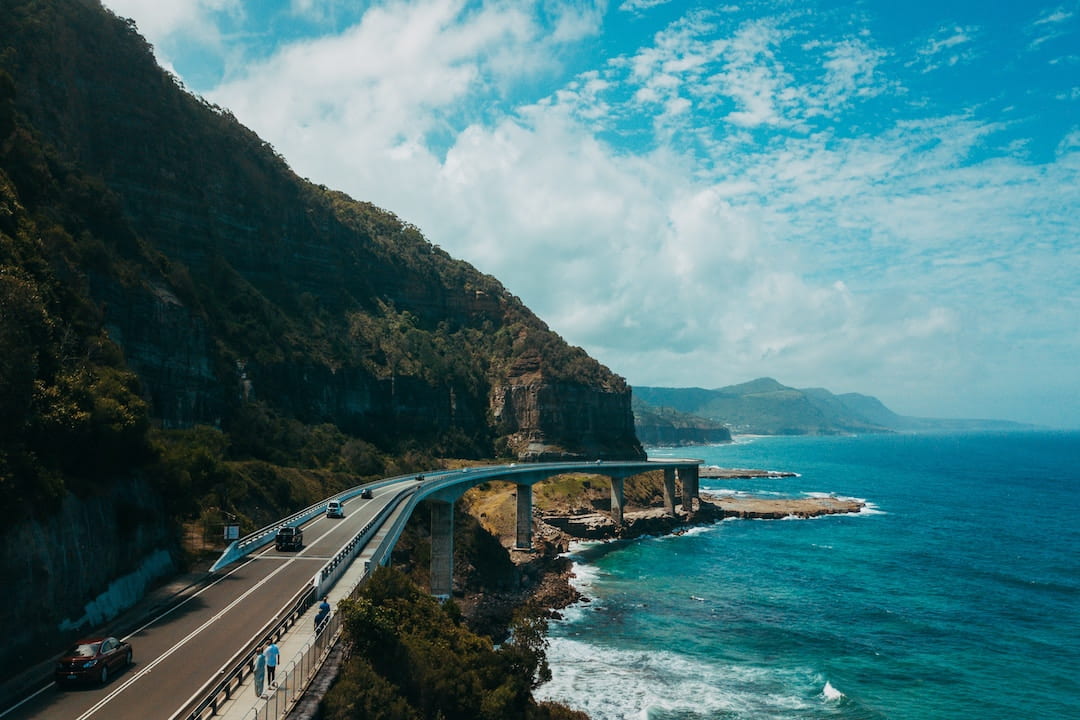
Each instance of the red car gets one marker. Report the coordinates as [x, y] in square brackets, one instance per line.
[93, 659]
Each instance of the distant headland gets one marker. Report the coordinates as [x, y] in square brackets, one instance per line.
[695, 416]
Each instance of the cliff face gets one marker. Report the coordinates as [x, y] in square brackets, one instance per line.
[669, 427]
[535, 416]
[242, 282]
[168, 267]
[78, 565]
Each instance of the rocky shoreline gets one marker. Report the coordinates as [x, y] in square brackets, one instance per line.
[545, 573]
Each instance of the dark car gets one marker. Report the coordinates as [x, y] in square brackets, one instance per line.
[93, 659]
[366, 493]
[289, 538]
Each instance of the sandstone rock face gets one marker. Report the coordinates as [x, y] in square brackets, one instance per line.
[53, 567]
[169, 347]
[545, 421]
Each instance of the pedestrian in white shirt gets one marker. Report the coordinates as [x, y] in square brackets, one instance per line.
[272, 656]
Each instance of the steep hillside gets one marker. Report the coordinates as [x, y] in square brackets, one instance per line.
[765, 407]
[184, 320]
[242, 282]
[663, 426]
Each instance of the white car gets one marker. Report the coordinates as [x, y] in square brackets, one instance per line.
[335, 509]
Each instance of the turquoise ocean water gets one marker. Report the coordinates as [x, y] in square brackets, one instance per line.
[956, 595]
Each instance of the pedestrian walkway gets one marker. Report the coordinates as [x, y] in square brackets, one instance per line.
[302, 652]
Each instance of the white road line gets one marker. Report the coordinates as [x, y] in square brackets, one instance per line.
[143, 670]
[174, 608]
[101, 703]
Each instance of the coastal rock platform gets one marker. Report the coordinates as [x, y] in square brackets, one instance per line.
[714, 473]
[776, 509]
[544, 571]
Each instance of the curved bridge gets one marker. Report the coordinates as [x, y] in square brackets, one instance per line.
[195, 659]
[446, 486]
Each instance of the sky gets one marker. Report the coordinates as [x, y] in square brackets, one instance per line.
[871, 197]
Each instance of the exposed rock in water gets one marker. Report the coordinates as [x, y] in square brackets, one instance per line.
[741, 473]
[545, 573]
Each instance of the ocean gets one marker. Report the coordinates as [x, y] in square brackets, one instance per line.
[955, 594]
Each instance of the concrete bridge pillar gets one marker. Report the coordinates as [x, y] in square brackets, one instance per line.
[523, 540]
[669, 491]
[689, 477]
[442, 548]
[617, 500]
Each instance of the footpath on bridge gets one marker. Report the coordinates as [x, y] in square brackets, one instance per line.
[276, 702]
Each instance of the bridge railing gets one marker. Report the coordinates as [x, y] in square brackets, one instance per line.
[294, 678]
[216, 693]
[337, 565]
[265, 535]
[297, 674]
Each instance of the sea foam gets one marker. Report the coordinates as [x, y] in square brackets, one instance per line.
[614, 684]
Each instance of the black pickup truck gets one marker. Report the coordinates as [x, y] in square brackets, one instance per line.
[289, 538]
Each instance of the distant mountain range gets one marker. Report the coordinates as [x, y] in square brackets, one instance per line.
[766, 407]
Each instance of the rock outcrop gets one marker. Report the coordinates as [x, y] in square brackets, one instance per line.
[77, 566]
[546, 421]
[668, 427]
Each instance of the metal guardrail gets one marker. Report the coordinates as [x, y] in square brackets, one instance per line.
[332, 570]
[265, 535]
[244, 662]
[295, 676]
[298, 674]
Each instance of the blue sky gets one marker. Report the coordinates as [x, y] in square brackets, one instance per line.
[871, 197]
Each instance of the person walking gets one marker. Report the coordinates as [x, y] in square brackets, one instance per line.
[323, 614]
[272, 656]
[260, 672]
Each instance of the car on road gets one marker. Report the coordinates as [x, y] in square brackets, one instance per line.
[289, 538]
[335, 509]
[366, 493]
[93, 659]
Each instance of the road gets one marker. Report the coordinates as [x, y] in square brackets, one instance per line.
[180, 652]
[183, 652]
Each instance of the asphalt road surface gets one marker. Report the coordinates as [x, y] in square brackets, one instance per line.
[179, 653]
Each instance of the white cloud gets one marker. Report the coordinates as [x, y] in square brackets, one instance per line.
[948, 47]
[638, 5]
[1050, 25]
[196, 20]
[752, 232]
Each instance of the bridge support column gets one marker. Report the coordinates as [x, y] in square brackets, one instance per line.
[669, 491]
[617, 500]
[523, 540]
[442, 548]
[689, 478]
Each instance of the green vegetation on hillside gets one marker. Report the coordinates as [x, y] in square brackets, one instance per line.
[162, 268]
[412, 659]
[668, 426]
[766, 407]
